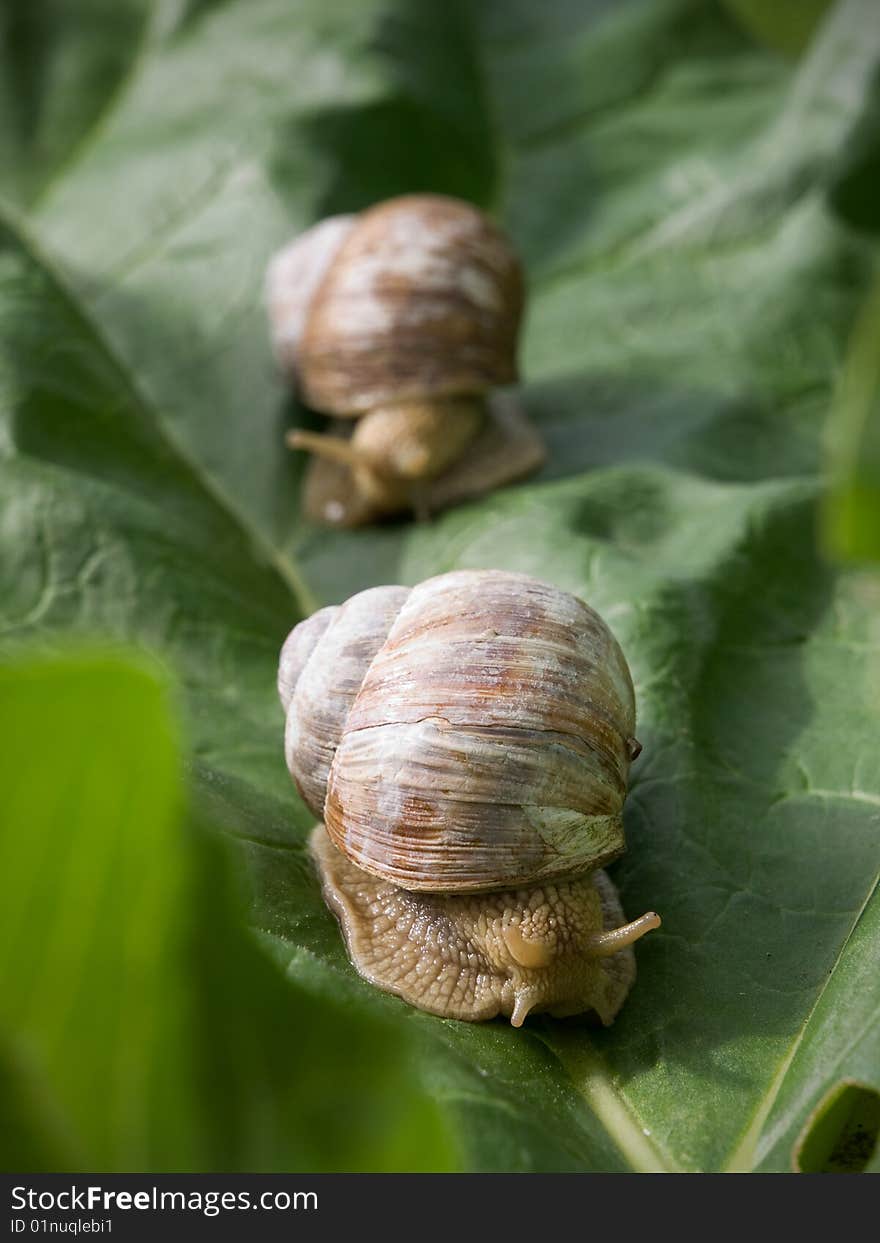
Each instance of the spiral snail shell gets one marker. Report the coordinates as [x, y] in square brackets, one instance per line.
[466, 743]
[400, 320]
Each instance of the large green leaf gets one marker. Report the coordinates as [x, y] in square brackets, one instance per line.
[691, 299]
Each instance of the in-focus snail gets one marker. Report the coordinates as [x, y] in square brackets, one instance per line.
[467, 743]
[399, 322]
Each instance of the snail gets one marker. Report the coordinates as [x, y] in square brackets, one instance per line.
[399, 321]
[466, 744]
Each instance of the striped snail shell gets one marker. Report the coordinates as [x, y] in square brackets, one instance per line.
[466, 743]
[403, 318]
[416, 297]
[473, 733]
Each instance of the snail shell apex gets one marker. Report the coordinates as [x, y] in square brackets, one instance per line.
[469, 734]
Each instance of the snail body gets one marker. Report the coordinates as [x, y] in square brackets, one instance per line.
[402, 319]
[466, 744]
[476, 956]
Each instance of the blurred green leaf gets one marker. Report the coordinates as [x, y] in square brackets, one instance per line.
[786, 25]
[59, 64]
[852, 506]
[668, 181]
[140, 1026]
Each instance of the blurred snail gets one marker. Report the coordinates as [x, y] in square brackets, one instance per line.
[399, 322]
[466, 743]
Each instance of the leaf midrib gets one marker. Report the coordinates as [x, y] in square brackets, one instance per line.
[589, 1075]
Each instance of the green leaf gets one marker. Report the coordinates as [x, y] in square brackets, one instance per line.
[852, 505]
[786, 25]
[58, 68]
[140, 1026]
[670, 183]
